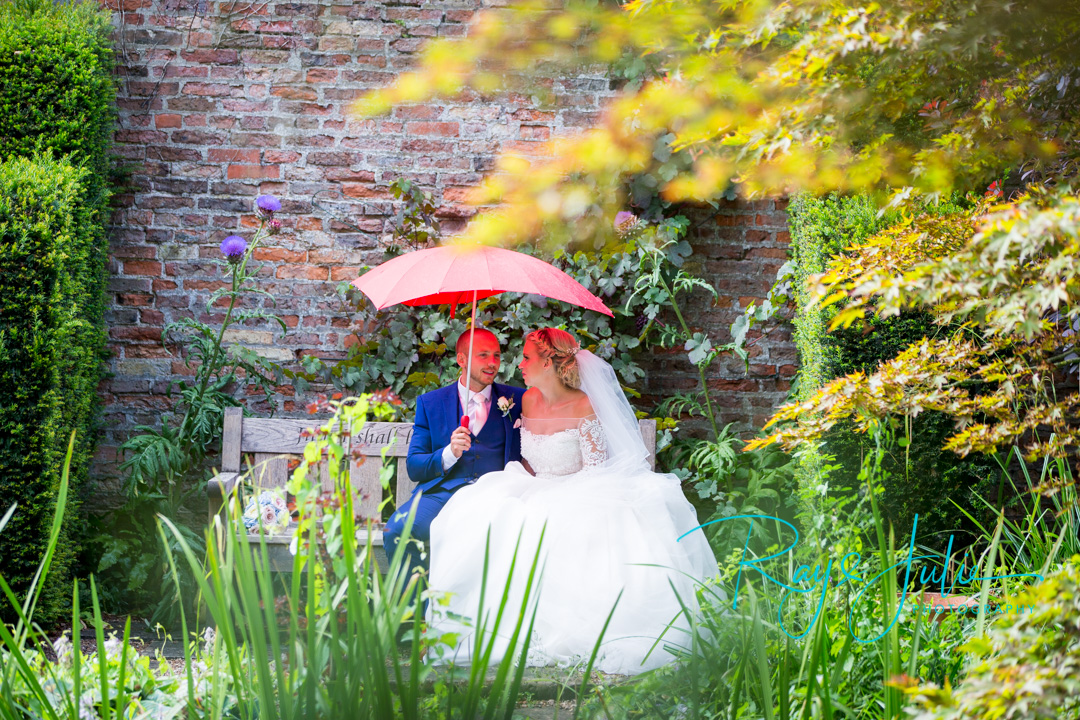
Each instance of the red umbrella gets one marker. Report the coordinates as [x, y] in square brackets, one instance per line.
[452, 274]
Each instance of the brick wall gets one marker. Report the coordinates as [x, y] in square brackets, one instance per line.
[221, 102]
[738, 248]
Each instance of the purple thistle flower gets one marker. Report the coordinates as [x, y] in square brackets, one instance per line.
[233, 248]
[267, 205]
[625, 221]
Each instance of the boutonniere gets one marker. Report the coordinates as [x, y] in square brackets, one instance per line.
[506, 405]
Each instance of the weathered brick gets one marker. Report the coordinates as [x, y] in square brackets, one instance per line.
[237, 172]
[214, 57]
[135, 333]
[362, 190]
[212, 89]
[321, 75]
[278, 254]
[303, 272]
[442, 129]
[295, 93]
[142, 267]
[232, 155]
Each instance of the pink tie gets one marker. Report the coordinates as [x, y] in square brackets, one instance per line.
[477, 413]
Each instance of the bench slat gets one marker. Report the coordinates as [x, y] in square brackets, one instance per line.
[230, 439]
[270, 471]
[274, 435]
[368, 489]
[405, 485]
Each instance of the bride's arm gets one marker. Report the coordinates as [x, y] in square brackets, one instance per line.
[591, 441]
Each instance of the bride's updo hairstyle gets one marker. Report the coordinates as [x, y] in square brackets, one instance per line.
[561, 348]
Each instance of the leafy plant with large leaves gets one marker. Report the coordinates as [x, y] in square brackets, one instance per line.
[162, 466]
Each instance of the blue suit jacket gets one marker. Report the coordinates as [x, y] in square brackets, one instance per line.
[438, 414]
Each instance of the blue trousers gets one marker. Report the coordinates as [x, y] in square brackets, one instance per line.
[427, 507]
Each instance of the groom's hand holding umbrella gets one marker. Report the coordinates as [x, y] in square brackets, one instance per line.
[461, 439]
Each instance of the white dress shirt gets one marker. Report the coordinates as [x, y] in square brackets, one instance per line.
[475, 426]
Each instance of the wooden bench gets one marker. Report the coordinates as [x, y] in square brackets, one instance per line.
[260, 448]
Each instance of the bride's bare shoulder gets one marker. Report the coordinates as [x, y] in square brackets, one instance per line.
[528, 400]
[582, 407]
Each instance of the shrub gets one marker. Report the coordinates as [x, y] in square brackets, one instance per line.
[56, 106]
[49, 354]
[923, 478]
[57, 89]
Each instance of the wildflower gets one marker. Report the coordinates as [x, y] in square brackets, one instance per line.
[113, 646]
[233, 248]
[273, 227]
[267, 205]
[62, 647]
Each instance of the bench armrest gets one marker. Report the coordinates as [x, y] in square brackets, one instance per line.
[220, 486]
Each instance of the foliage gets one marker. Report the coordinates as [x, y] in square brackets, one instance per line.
[1004, 271]
[923, 478]
[1037, 533]
[112, 680]
[50, 345]
[820, 229]
[57, 90]
[56, 100]
[1029, 665]
[806, 94]
[163, 466]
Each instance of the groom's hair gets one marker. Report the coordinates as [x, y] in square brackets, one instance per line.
[462, 345]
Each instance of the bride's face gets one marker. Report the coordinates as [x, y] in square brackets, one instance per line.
[534, 368]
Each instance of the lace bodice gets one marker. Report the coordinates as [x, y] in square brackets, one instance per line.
[556, 452]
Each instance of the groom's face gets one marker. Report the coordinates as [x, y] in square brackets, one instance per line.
[486, 359]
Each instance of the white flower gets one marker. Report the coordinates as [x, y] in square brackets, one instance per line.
[62, 647]
[112, 647]
[506, 404]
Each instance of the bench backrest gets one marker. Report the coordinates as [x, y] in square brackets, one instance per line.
[271, 441]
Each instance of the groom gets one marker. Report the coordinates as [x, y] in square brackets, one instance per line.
[444, 456]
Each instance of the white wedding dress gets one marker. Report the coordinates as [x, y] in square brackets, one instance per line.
[612, 526]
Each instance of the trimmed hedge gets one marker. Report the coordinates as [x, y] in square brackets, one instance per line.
[924, 477]
[57, 108]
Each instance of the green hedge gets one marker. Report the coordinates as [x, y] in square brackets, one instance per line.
[57, 108]
[923, 478]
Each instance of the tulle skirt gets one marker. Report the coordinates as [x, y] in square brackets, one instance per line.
[607, 537]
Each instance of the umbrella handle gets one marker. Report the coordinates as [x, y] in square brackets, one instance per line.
[468, 365]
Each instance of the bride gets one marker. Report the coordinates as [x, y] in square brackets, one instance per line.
[609, 526]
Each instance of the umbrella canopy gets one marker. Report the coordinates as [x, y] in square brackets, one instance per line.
[452, 274]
